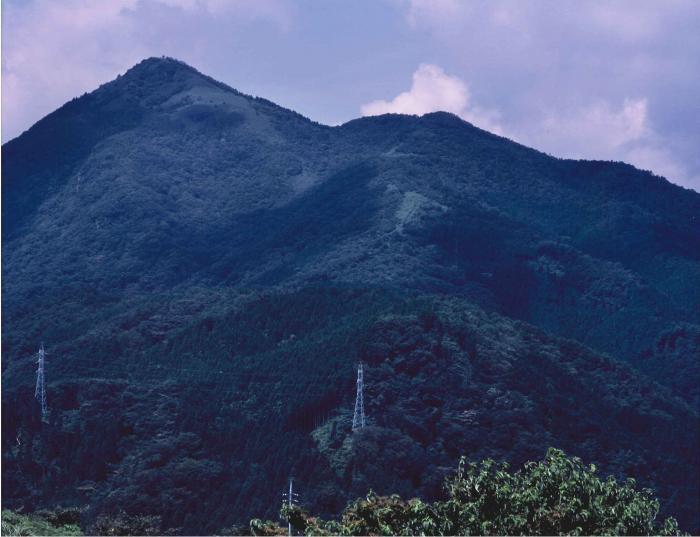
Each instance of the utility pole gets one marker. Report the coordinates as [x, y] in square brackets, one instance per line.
[291, 497]
[358, 420]
[40, 389]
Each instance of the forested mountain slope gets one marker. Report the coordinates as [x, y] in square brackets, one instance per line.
[206, 269]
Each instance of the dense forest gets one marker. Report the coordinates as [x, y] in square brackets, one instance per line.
[206, 270]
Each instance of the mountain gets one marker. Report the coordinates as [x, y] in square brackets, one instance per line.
[206, 269]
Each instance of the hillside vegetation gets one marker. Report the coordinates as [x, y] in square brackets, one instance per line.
[206, 270]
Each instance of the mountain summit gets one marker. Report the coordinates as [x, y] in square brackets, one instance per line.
[206, 268]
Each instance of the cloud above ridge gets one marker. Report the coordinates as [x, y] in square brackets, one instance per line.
[596, 80]
[597, 131]
[433, 90]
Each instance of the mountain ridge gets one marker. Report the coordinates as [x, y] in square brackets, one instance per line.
[168, 219]
[667, 208]
[657, 221]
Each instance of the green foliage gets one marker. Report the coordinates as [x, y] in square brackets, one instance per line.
[16, 524]
[558, 496]
[266, 527]
[123, 524]
[62, 516]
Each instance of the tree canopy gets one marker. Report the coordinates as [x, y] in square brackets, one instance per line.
[558, 496]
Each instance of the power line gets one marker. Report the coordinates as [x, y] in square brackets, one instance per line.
[72, 366]
[232, 386]
[76, 367]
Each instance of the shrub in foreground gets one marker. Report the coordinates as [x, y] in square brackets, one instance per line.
[559, 495]
[16, 524]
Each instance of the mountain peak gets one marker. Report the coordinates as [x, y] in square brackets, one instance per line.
[164, 76]
[159, 66]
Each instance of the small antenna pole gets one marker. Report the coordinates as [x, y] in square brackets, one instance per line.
[291, 497]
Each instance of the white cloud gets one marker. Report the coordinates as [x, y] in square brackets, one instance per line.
[46, 40]
[596, 79]
[250, 9]
[659, 160]
[593, 129]
[433, 90]
[600, 131]
[626, 21]
[437, 10]
[53, 51]
[596, 131]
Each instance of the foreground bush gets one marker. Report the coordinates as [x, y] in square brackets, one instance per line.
[16, 524]
[123, 524]
[559, 495]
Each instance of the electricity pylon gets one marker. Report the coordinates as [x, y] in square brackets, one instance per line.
[358, 420]
[40, 389]
[291, 497]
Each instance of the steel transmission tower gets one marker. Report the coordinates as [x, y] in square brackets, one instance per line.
[358, 420]
[291, 497]
[40, 390]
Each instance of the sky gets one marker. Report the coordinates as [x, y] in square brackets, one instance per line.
[597, 79]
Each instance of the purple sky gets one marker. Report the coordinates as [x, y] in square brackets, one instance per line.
[608, 80]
